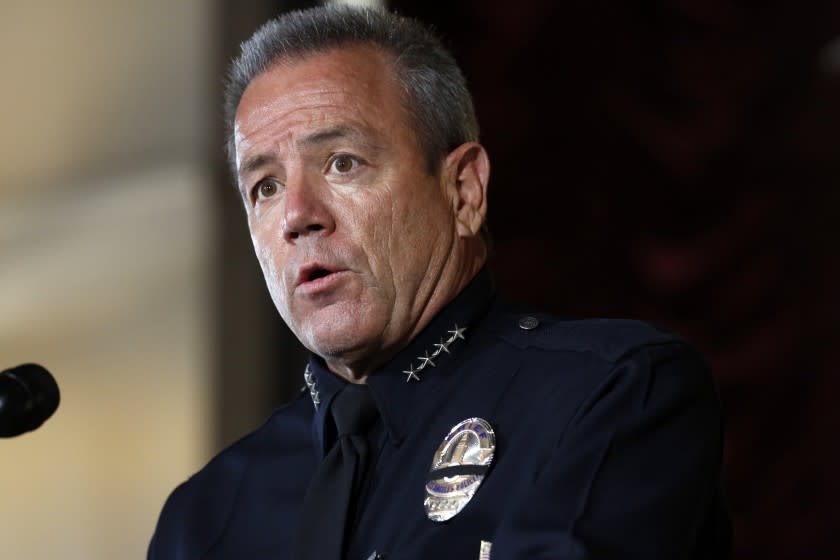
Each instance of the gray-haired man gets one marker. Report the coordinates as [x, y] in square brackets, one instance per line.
[439, 422]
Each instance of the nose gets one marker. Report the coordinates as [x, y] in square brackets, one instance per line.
[306, 211]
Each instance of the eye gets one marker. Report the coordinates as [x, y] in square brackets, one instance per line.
[265, 189]
[343, 163]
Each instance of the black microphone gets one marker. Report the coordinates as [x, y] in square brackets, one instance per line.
[28, 396]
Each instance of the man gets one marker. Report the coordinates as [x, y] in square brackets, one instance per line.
[439, 423]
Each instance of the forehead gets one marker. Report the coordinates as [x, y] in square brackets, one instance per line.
[351, 85]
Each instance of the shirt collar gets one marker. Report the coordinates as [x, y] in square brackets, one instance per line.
[428, 356]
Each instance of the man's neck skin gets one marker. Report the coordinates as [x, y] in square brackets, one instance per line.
[355, 368]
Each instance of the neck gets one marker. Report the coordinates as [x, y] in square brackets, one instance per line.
[449, 283]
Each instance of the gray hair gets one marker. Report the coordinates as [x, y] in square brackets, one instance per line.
[435, 93]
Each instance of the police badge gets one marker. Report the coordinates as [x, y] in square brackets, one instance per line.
[458, 468]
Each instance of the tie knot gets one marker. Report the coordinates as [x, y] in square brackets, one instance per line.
[353, 410]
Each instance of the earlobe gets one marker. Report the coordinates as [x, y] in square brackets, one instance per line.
[468, 172]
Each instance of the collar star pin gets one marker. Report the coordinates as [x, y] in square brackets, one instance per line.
[427, 361]
[412, 373]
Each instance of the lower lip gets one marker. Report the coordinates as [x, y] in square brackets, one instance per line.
[323, 284]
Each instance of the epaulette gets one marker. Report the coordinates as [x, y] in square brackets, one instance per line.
[610, 339]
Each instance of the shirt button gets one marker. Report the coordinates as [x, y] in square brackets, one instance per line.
[528, 323]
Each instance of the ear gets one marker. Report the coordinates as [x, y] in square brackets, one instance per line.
[466, 172]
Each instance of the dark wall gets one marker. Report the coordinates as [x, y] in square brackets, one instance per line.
[677, 161]
[673, 161]
[258, 362]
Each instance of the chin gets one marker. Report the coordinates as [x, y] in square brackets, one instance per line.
[339, 335]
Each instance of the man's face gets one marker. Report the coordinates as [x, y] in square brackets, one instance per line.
[353, 234]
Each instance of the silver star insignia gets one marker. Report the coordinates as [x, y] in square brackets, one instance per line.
[412, 374]
[457, 333]
[426, 360]
[443, 346]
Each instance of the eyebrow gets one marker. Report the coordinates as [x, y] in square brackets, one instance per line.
[253, 163]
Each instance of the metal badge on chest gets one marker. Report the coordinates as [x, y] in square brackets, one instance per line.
[459, 466]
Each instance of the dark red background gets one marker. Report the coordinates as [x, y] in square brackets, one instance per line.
[673, 160]
[678, 161]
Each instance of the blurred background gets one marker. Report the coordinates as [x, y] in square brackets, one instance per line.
[673, 160]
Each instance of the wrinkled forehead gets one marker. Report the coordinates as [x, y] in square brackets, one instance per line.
[355, 74]
[353, 85]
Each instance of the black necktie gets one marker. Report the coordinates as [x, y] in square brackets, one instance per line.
[329, 506]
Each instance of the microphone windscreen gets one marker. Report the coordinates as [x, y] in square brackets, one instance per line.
[28, 396]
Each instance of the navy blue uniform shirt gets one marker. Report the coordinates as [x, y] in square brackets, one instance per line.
[608, 446]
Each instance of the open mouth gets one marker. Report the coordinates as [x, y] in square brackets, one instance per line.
[317, 273]
[313, 273]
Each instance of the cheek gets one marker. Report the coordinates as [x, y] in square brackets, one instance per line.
[262, 248]
[419, 223]
[266, 260]
[271, 264]
[372, 224]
